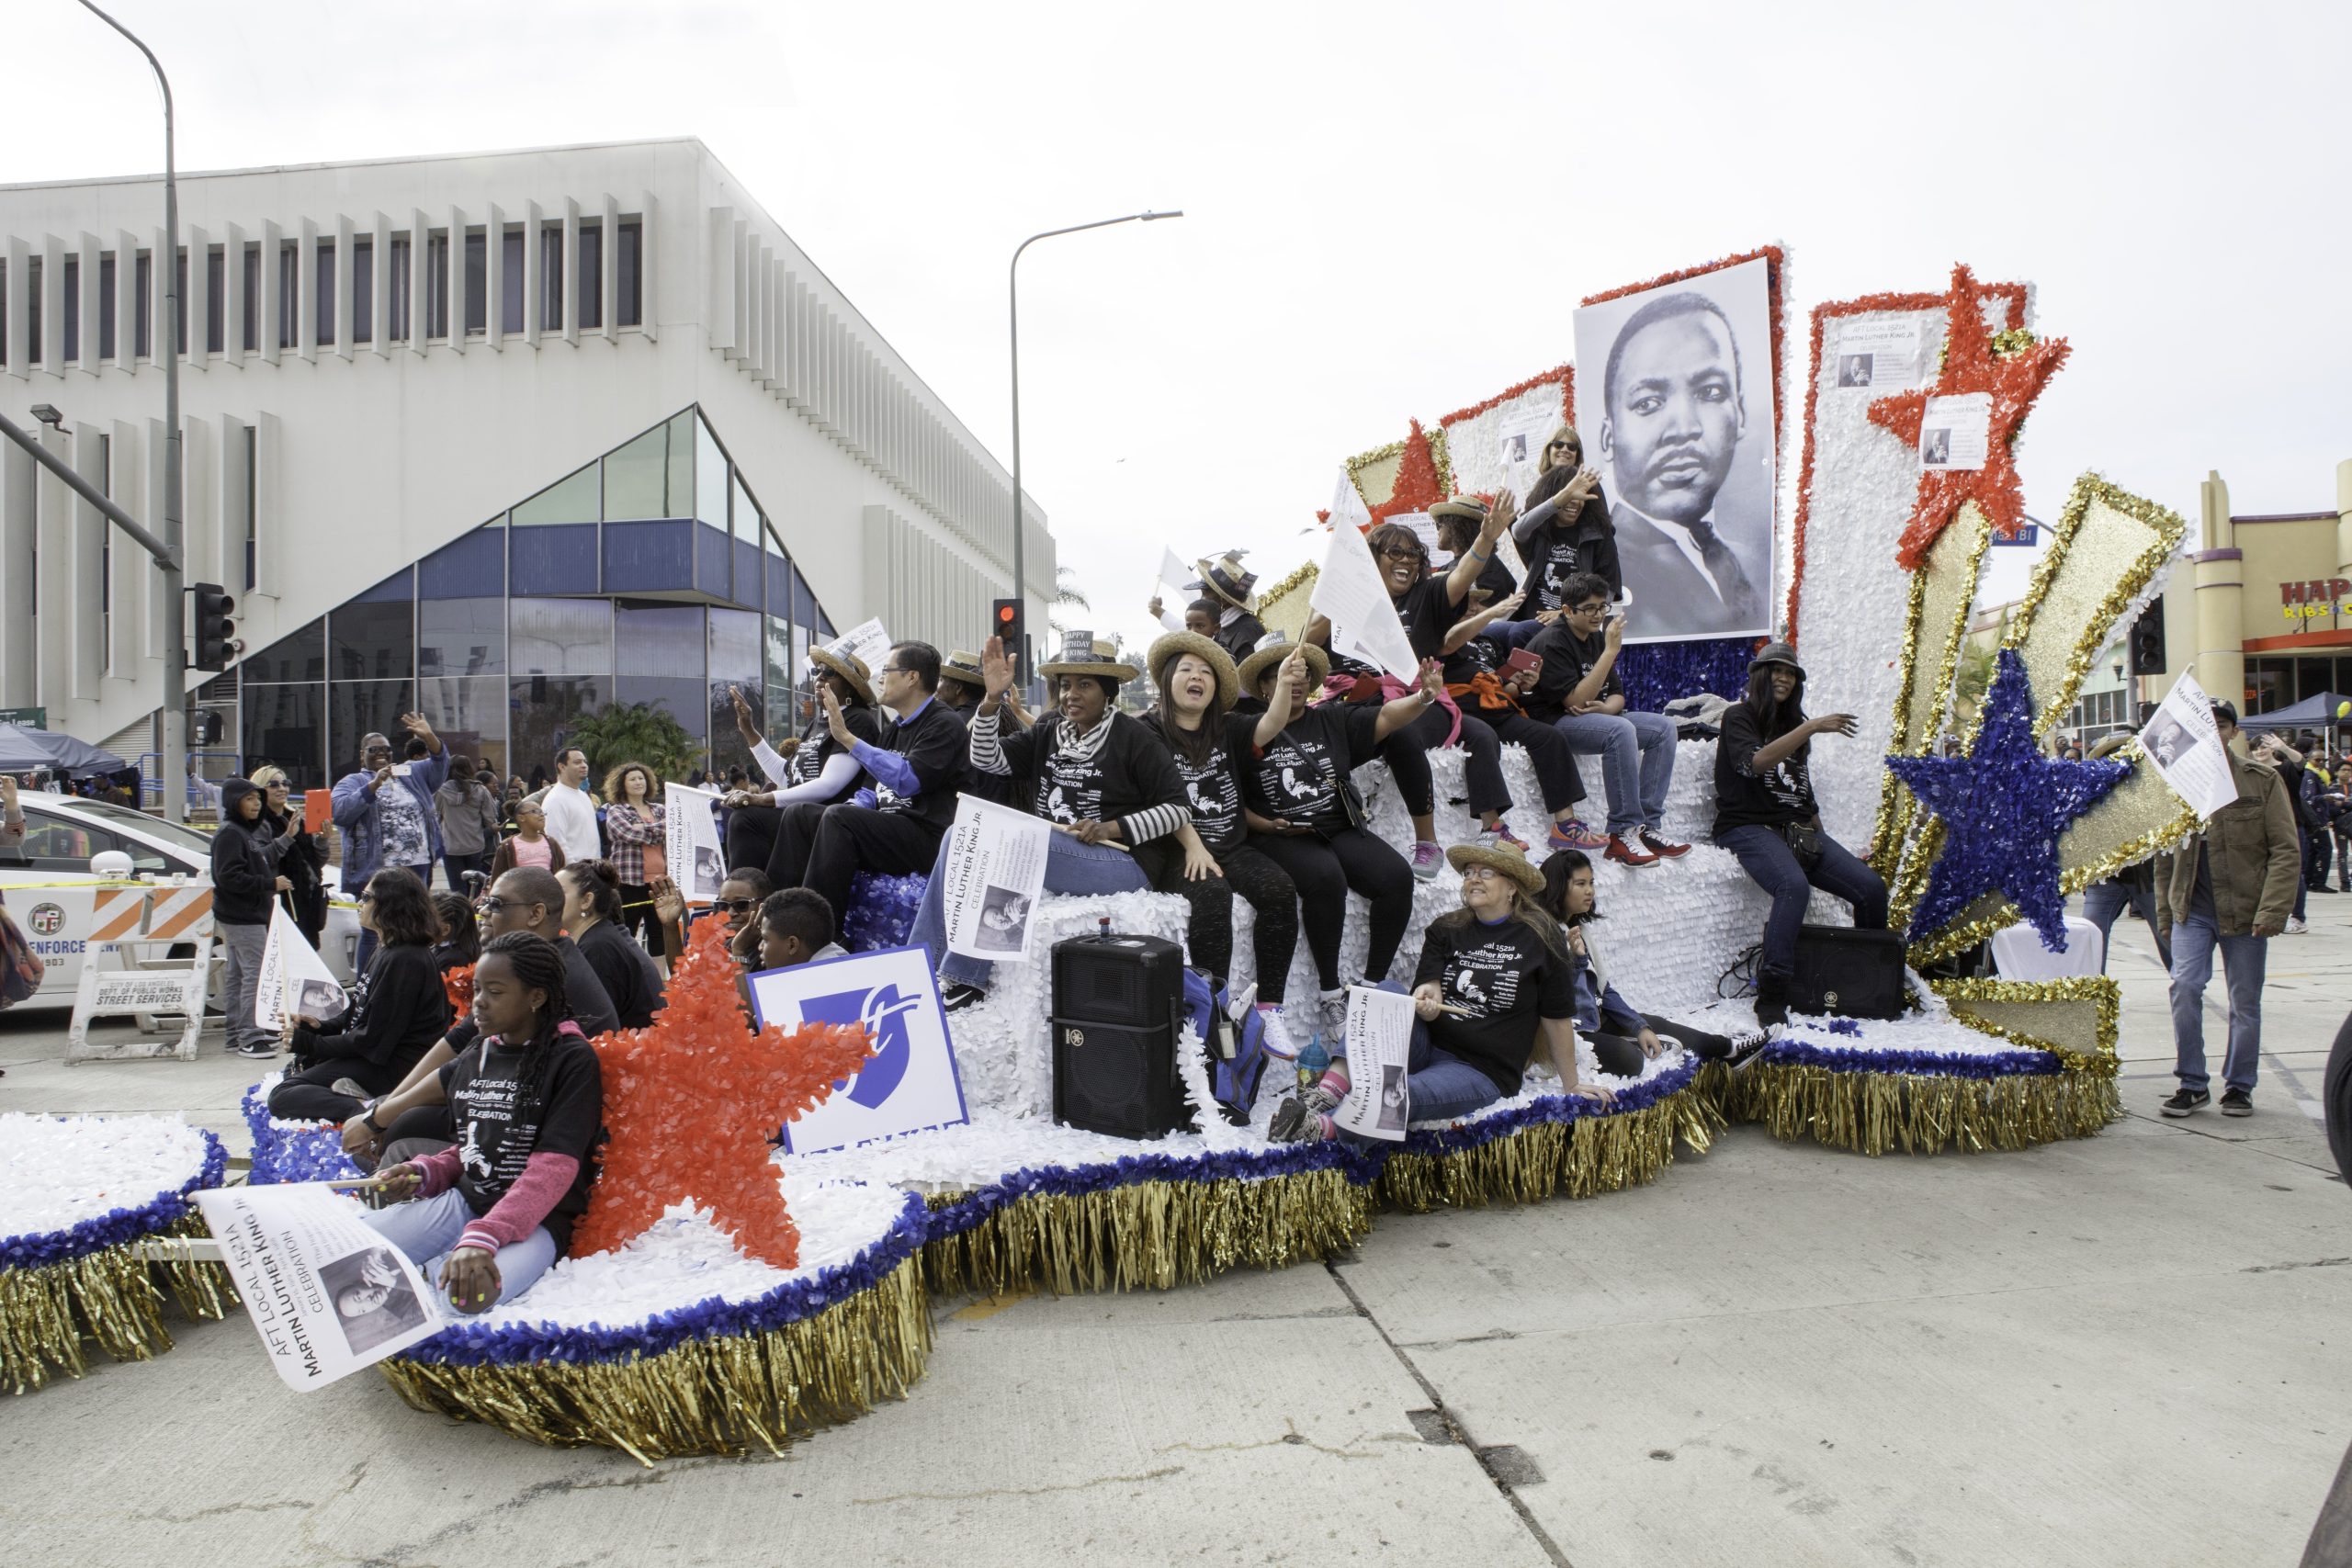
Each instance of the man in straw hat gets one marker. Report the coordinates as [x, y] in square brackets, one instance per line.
[1103, 779]
[1494, 974]
[894, 822]
[809, 769]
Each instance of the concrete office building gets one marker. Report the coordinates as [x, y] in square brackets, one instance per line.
[501, 438]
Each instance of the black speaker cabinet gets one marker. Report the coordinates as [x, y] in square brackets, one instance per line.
[1117, 1005]
[1846, 972]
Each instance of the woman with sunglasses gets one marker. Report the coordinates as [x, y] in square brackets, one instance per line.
[303, 863]
[1565, 530]
[401, 1008]
[1428, 605]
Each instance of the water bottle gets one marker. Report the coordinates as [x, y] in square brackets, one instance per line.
[1313, 1062]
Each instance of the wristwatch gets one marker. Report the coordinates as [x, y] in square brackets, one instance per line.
[367, 1117]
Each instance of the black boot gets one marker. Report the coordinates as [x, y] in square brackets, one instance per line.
[1771, 1000]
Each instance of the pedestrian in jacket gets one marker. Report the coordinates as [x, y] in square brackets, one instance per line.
[387, 814]
[2232, 886]
[245, 886]
[304, 860]
[468, 814]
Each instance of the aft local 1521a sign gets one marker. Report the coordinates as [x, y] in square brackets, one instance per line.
[911, 1082]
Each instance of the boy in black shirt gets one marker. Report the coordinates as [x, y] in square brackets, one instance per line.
[1579, 693]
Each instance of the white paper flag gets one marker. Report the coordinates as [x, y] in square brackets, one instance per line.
[294, 982]
[1380, 1044]
[690, 841]
[1364, 620]
[867, 643]
[1348, 510]
[996, 873]
[1174, 573]
[2186, 748]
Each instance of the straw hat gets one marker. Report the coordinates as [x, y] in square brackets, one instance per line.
[1505, 858]
[1228, 682]
[1272, 649]
[850, 668]
[1083, 655]
[1225, 579]
[1468, 507]
[963, 668]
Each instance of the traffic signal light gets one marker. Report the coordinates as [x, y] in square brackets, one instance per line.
[2148, 641]
[209, 628]
[1004, 621]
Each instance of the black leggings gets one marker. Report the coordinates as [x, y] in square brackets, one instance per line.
[1325, 868]
[1622, 1057]
[305, 1096]
[1271, 895]
[1547, 749]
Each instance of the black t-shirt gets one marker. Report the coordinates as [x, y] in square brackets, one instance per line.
[401, 1010]
[932, 743]
[1505, 979]
[1239, 639]
[808, 763]
[1481, 655]
[1298, 776]
[626, 970]
[1213, 787]
[501, 1119]
[1130, 770]
[1780, 796]
[1567, 658]
[584, 993]
[1497, 582]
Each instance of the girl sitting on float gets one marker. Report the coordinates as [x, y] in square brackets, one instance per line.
[526, 1102]
[1494, 974]
[1623, 1038]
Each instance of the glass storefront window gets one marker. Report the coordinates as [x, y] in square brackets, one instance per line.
[470, 714]
[637, 478]
[287, 725]
[301, 657]
[461, 637]
[710, 478]
[561, 636]
[373, 636]
[541, 711]
[681, 699]
[659, 639]
[777, 650]
[554, 541]
[735, 661]
[355, 709]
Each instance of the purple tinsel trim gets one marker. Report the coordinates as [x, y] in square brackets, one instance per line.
[1929, 1064]
[292, 1151]
[1656, 673]
[1551, 1107]
[881, 910]
[789, 1302]
[116, 1227]
[1845, 1026]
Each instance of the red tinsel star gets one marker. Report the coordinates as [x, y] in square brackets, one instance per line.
[691, 1102]
[1416, 489]
[1970, 365]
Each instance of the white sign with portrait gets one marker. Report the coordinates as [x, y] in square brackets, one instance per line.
[995, 871]
[909, 1084]
[1674, 399]
[690, 841]
[1380, 1044]
[1877, 356]
[1954, 431]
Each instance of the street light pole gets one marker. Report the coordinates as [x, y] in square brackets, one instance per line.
[175, 705]
[1020, 560]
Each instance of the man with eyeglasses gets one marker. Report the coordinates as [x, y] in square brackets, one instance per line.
[413, 1119]
[1578, 692]
[893, 823]
[387, 816]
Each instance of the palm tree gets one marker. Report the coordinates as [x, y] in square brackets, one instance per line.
[635, 732]
[1069, 592]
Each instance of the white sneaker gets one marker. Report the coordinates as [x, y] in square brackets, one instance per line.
[1274, 1035]
[2296, 927]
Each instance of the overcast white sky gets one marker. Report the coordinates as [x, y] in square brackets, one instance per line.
[1390, 211]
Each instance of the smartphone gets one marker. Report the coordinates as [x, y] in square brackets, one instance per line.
[400, 769]
[1521, 661]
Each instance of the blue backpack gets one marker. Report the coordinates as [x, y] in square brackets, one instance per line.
[1232, 1079]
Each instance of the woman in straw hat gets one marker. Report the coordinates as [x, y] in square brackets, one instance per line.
[1567, 530]
[1102, 778]
[1197, 686]
[1297, 778]
[807, 768]
[1493, 974]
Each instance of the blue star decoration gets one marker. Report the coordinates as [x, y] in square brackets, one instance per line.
[2004, 807]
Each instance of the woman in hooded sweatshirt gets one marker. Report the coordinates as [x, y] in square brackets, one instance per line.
[245, 886]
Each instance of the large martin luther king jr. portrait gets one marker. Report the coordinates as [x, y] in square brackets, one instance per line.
[1682, 438]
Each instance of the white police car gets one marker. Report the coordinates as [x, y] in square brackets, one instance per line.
[50, 894]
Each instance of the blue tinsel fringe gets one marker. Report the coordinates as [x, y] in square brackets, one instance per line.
[1656, 673]
[292, 1151]
[1790, 1053]
[116, 1227]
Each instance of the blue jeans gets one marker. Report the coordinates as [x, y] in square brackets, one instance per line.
[2102, 901]
[1439, 1085]
[1637, 753]
[1072, 866]
[2244, 958]
[2302, 871]
[424, 1229]
[1766, 857]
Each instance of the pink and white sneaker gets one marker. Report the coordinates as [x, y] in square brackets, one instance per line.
[1574, 835]
[1427, 857]
[1500, 835]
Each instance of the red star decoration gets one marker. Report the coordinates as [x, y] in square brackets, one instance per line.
[2015, 380]
[692, 1102]
[1416, 489]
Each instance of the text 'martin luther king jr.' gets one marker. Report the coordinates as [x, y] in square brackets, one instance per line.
[1674, 416]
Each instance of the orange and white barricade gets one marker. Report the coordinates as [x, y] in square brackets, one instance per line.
[138, 926]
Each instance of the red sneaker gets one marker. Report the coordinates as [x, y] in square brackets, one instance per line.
[1624, 853]
[1660, 845]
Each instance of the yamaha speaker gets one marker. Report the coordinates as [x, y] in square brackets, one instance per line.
[1843, 971]
[1118, 1003]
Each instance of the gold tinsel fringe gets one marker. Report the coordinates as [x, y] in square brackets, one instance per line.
[1149, 1234]
[711, 1396]
[1580, 1160]
[111, 1296]
[1874, 1112]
